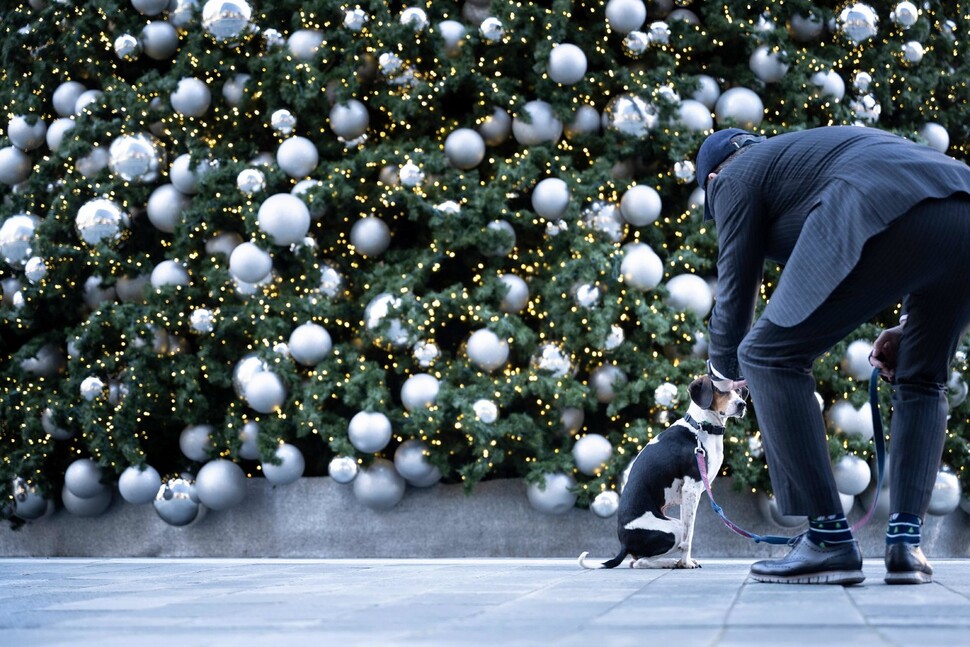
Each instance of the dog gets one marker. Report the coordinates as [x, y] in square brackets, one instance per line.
[665, 473]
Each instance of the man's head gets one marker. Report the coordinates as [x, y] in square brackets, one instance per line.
[715, 149]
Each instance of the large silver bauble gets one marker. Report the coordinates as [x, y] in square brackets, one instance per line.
[379, 486]
[290, 468]
[464, 148]
[136, 158]
[741, 106]
[265, 392]
[419, 391]
[707, 92]
[83, 478]
[517, 296]
[139, 485]
[297, 157]
[284, 218]
[65, 97]
[605, 379]
[88, 98]
[149, 7]
[543, 125]
[177, 502]
[411, 462]
[17, 239]
[195, 441]
[487, 350]
[452, 34]
[690, 292]
[829, 84]
[227, 21]
[695, 116]
[185, 176]
[567, 64]
[220, 484]
[767, 65]
[342, 469]
[250, 263]
[852, 474]
[946, 493]
[586, 120]
[936, 136]
[350, 119]
[191, 98]
[625, 16]
[169, 273]
[605, 504]
[369, 431]
[249, 436]
[165, 207]
[309, 344]
[101, 220]
[15, 165]
[640, 205]
[859, 22]
[905, 14]
[160, 40]
[58, 130]
[630, 115]
[26, 135]
[805, 28]
[28, 503]
[555, 495]
[591, 452]
[496, 128]
[856, 360]
[503, 238]
[91, 506]
[641, 268]
[370, 236]
[956, 389]
[304, 44]
[550, 198]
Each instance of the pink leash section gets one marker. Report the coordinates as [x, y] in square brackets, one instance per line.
[878, 438]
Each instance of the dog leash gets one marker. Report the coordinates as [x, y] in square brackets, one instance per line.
[878, 438]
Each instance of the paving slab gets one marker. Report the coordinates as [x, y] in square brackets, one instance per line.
[460, 602]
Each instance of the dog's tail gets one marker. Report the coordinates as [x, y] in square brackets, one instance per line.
[613, 563]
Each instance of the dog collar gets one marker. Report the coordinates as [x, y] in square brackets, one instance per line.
[709, 427]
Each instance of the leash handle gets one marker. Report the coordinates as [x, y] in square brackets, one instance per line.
[879, 439]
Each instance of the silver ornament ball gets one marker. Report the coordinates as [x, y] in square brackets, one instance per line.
[554, 494]
[139, 484]
[290, 468]
[220, 484]
[379, 486]
[342, 469]
[136, 158]
[177, 502]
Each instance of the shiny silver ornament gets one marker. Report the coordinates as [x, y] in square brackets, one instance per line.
[605, 504]
[177, 502]
[227, 21]
[202, 320]
[101, 220]
[273, 39]
[136, 158]
[342, 469]
[635, 43]
[665, 395]
[415, 17]
[606, 219]
[355, 19]
[331, 283]
[492, 29]
[912, 52]
[251, 181]
[425, 353]
[127, 47]
[283, 121]
[866, 108]
[859, 22]
[35, 269]
[861, 81]
[29, 504]
[659, 33]
[553, 360]
[905, 14]
[411, 174]
[630, 115]
[486, 411]
[685, 171]
[17, 239]
[615, 338]
[946, 494]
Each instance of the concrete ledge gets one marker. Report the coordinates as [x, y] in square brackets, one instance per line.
[318, 518]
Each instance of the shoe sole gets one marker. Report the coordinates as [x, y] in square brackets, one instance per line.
[844, 578]
[908, 577]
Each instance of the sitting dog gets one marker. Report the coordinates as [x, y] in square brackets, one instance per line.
[665, 473]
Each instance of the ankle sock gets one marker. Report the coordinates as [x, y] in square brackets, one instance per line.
[829, 530]
[904, 528]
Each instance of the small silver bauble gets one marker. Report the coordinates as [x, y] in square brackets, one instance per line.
[136, 158]
[377, 311]
[464, 148]
[551, 358]
[554, 495]
[290, 468]
[665, 394]
[591, 452]
[605, 504]
[127, 47]
[273, 39]
[283, 121]
[486, 411]
[767, 64]
[685, 171]
[605, 379]
[342, 469]
[355, 19]
[251, 181]
[249, 436]
[492, 29]
[331, 283]
[615, 338]
[202, 320]
[419, 391]
[35, 269]
[625, 16]
[453, 34]
[29, 504]
[905, 14]
[517, 293]
[227, 21]
[415, 17]
[587, 295]
[630, 115]
[177, 502]
[411, 174]
[502, 238]
[606, 219]
[858, 21]
[496, 128]
[425, 353]
[956, 389]
[635, 43]
[411, 462]
[17, 239]
[550, 198]
[866, 108]
[861, 81]
[370, 236]
[101, 220]
[304, 44]
[659, 33]
[912, 52]
[390, 64]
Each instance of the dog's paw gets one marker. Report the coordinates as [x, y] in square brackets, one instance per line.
[687, 563]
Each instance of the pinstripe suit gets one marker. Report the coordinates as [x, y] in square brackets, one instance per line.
[860, 219]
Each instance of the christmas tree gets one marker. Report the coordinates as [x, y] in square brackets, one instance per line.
[404, 242]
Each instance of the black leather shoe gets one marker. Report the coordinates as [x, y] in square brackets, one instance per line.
[808, 563]
[906, 564]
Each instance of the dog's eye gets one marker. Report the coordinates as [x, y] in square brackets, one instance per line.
[743, 392]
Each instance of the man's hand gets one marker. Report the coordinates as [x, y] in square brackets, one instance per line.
[885, 351]
[722, 383]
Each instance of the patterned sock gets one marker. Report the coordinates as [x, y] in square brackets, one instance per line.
[903, 528]
[829, 530]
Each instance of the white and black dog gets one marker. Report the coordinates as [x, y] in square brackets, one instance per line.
[665, 473]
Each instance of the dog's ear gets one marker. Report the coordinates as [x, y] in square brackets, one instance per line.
[702, 392]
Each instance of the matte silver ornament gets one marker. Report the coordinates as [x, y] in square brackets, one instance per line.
[370, 236]
[550, 198]
[297, 157]
[284, 218]
[591, 453]
[26, 135]
[191, 98]
[567, 64]
[369, 432]
[486, 350]
[419, 391]
[165, 207]
[83, 478]
[136, 158]
[554, 495]
[139, 485]
[946, 493]
[625, 16]
[741, 105]
[464, 148]
[15, 165]
[265, 392]
[310, 344]
[543, 125]
[349, 120]
[91, 506]
[411, 462]
[291, 466]
[159, 40]
[379, 486]
[220, 484]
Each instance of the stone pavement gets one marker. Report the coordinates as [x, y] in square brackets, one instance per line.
[459, 602]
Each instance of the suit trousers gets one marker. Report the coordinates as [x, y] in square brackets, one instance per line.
[924, 257]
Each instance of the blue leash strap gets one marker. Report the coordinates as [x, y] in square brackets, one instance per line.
[879, 439]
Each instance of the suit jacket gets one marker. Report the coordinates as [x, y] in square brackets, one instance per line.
[810, 200]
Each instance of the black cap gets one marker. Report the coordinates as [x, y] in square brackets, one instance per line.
[715, 149]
